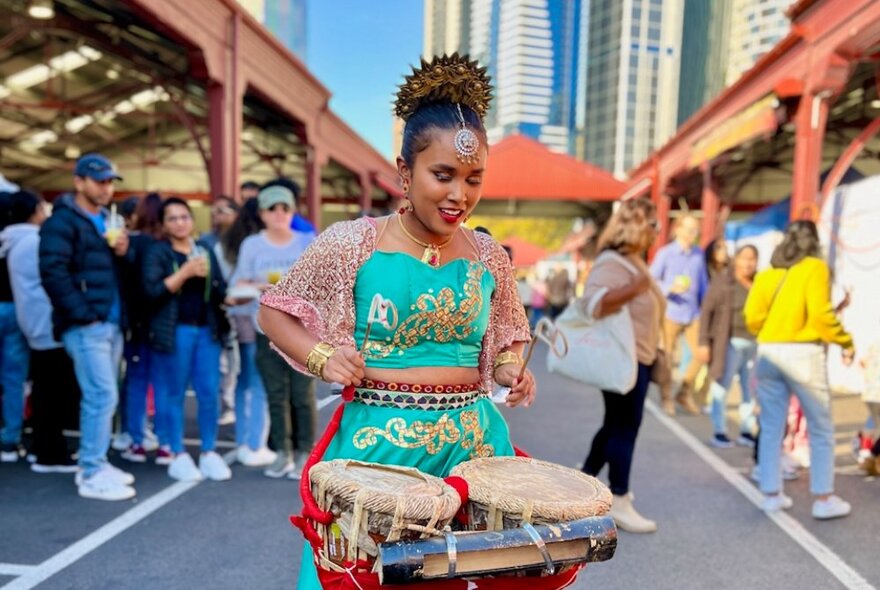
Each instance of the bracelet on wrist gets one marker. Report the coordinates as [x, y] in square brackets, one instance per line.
[318, 357]
[507, 357]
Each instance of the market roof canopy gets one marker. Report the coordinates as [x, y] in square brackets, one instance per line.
[521, 168]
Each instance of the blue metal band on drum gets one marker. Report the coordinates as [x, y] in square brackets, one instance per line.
[542, 547]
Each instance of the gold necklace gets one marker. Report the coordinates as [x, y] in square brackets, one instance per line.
[431, 255]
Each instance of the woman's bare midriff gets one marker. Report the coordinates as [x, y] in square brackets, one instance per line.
[426, 375]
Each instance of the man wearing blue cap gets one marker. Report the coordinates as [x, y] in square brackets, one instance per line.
[80, 250]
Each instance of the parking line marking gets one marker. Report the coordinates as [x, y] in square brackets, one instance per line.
[15, 569]
[830, 560]
[40, 573]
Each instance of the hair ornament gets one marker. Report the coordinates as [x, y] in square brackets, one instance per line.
[447, 77]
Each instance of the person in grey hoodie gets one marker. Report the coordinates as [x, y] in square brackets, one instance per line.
[54, 391]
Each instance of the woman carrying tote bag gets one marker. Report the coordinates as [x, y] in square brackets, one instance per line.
[623, 244]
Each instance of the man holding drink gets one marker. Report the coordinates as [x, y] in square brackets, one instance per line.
[80, 249]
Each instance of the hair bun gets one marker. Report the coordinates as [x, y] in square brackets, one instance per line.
[447, 77]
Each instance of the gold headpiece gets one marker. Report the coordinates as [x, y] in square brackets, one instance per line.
[448, 77]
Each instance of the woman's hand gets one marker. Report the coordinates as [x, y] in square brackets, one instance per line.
[847, 355]
[195, 267]
[345, 366]
[521, 391]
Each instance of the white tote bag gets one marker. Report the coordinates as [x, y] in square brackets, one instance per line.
[601, 352]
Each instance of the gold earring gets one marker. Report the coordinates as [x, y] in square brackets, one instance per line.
[407, 206]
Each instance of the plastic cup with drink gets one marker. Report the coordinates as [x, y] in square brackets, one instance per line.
[115, 225]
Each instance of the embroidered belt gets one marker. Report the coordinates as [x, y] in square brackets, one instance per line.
[410, 396]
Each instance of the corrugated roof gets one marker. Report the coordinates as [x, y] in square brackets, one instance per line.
[523, 169]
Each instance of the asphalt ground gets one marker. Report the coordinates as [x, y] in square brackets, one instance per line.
[235, 534]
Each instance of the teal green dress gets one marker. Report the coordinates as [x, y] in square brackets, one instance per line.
[443, 314]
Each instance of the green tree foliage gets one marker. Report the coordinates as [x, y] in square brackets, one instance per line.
[547, 232]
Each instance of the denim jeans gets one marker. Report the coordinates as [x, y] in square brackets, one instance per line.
[740, 360]
[137, 382]
[801, 369]
[196, 360]
[250, 400]
[96, 350]
[14, 356]
[615, 442]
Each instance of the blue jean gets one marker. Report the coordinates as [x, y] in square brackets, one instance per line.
[137, 381]
[96, 350]
[615, 443]
[196, 360]
[740, 360]
[798, 368]
[14, 357]
[250, 400]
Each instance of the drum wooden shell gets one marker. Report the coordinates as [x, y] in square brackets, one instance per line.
[504, 492]
[374, 503]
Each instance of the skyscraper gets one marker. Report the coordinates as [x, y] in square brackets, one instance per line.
[630, 90]
[705, 51]
[528, 48]
[285, 18]
[756, 26]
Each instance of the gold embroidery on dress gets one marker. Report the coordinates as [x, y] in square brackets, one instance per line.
[437, 317]
[433, 436]
[470, 423]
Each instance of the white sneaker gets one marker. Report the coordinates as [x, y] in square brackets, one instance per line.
[151, 441]
[831, 507]
[226, 418]
[104, 485]
[121, 441]
[214, 467]
[183, 468]
[776, 503]
[259, 458]
[122, 477]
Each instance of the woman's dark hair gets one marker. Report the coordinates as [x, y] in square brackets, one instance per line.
[22, 206]
[148, 219]
[246, 223]
[429, 117]
[712, 265]
[171, 201]
[801, 240]
[742, 249]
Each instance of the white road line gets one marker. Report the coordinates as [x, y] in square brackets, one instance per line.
[326, 401]
[15, 569]
[40, 573]
[838, 568]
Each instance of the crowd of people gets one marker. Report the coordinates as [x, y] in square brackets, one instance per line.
[109, 315]
[771, 329]
[110, 311]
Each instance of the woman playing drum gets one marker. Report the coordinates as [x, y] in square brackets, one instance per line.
[449, 322]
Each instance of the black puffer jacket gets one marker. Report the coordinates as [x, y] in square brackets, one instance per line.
[78, 269]
[137, 303]
[158, 265]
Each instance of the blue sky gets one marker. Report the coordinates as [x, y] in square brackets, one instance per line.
[360, 50]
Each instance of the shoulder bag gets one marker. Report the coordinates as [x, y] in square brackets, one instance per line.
[602, 352]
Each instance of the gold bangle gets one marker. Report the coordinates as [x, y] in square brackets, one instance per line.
[318, 357]
[508, 357]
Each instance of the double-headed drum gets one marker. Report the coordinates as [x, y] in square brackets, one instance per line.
[374, 503]
[504, 492]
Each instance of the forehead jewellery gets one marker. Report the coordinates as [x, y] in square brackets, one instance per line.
[466, 141]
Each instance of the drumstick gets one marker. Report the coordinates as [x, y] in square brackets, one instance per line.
[546, 331]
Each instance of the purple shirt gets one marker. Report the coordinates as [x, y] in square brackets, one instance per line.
[672, 261]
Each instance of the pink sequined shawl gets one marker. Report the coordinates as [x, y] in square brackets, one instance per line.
[319, 290]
